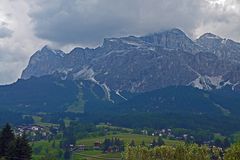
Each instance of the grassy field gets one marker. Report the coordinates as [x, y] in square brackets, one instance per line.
[96, 155]
[38, 121]
[114, 127]
[46, 149]
[78, 105]
[51, 149]
[127, 138]
[43, 149]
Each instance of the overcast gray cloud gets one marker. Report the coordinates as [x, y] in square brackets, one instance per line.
[20, 43]
[25, 26]
[222, 17]
[5, 32]
[11, 64]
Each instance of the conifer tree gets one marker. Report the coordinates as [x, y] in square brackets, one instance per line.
[26, 148]
[12, 147]
[6, 138]
[67, 154]
[22, 149]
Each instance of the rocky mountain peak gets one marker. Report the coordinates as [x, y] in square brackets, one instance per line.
[174, 39]
[168, 34]
[176, 31]
[209, 36]
[45, 60]
[209, 39]
[47, 50]
[225, 49]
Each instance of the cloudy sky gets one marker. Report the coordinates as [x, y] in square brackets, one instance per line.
[26, 26]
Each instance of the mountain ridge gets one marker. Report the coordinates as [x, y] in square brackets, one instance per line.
[140, 64]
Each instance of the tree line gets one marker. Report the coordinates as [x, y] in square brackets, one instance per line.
[14, 147]
[182, 152]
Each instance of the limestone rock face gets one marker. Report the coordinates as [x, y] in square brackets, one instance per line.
[140, 64]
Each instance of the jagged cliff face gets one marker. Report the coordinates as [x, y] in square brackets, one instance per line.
[140, 64]
[43, 62]
[225, 49]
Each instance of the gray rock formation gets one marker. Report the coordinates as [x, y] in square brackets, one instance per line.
[140, 64]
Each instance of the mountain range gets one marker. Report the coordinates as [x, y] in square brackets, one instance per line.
[141, 64]
[163, 80]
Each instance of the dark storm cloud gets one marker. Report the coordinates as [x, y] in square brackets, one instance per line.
[83, 21]
[89, 21]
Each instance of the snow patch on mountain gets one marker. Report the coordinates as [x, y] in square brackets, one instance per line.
[133, 43]
[118, 93]
[216, 80]
[207, 82]
[65, 72]
[234, 86]
[86, 73]
[107, 91]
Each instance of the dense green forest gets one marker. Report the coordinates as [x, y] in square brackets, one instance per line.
[216, 111]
